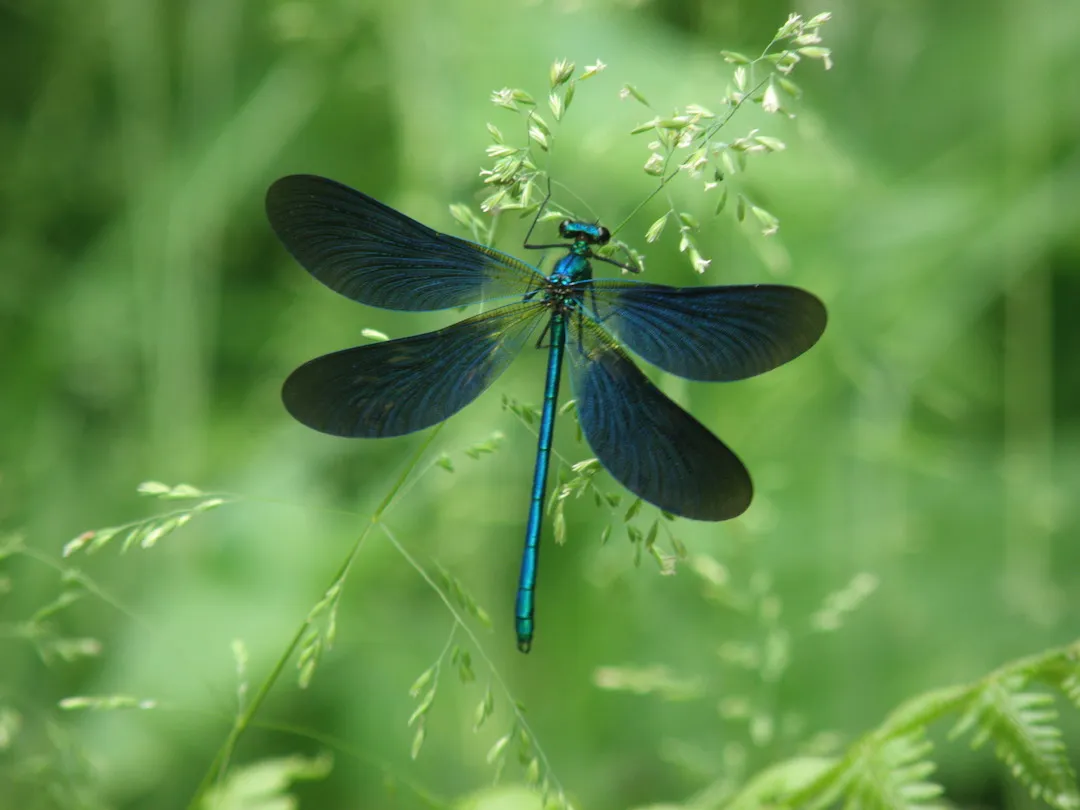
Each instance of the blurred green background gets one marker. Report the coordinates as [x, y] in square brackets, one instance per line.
[929, 194]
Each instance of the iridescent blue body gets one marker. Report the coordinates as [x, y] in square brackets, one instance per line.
[377, 256]
[563, 295]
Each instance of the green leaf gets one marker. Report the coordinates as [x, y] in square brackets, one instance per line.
[689, 220]
[484, 709]
[542, 138]
[921, 711]
[568, 96]
[769, 223]
[555, 104]
[465, 669]
[591, 70]
[722, 202]
[421, 683]
[418, 741]
[1070, 686]
[1026, 737]
[423, 707]
[735, 58]
[740, 79]
[770, 99]
[728, 163]
[105, 703]
[264, 785]
[532, 772]
[654, 165]
[630, 91]
[675, 124]
[498, 750]
[772, 144]
[561, 72]
[184, 491]
[559, 525]
[650, 538]
[817, 52]
[95, 539]
[877, 774]
[656, 228]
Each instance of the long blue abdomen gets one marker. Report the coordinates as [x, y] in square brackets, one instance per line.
[526, 595]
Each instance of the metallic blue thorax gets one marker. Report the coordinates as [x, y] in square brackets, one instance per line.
[574, 266]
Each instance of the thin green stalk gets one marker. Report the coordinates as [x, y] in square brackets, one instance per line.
[515, 706]
[243, 720]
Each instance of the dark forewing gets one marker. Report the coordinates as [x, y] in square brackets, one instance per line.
[648, 443]
[717, 334]
[373, 254]
[397, 387]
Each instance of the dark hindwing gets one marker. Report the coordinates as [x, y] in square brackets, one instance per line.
[648, 443]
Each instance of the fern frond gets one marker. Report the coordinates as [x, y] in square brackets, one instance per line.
[1070, 687]
[880, 772]
[889, 767]
[773, 786]
[1023, 726]
[922, 710]
[1060, 669]
[891, 774]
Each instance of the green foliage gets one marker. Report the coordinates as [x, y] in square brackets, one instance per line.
[889, 767]
[264, 785]
[515, 173]
[685, 142]
[148, 531]
[1022, 726]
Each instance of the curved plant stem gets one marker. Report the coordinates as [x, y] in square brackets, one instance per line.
[243, 719]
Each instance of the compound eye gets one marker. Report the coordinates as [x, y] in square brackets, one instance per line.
[564, 229]
[603, 237]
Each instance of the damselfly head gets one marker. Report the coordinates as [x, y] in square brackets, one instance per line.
[585, 231]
